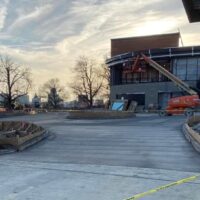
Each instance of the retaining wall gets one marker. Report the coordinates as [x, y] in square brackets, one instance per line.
[193, 136]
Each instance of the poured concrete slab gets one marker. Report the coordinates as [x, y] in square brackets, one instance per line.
[102, 159]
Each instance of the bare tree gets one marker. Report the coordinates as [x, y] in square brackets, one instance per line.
[54, 92]
[87, 80]
[105, 73]
[15, 81]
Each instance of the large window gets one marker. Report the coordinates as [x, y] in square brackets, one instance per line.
[187, 68]
[198, 68]
[181, 68]
[192, 69]
[184, 68]
[148, 73]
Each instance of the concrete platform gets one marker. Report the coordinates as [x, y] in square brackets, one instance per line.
[102, 159]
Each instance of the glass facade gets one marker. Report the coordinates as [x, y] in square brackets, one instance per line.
[148, 76]
[187, 69]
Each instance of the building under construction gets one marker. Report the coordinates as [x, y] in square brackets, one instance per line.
[138, 81]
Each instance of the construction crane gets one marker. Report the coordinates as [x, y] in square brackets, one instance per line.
[179, 105]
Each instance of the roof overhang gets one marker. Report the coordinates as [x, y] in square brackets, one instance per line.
[157, 54]
[192, 8]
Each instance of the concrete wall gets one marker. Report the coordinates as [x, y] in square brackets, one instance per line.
[151, 90]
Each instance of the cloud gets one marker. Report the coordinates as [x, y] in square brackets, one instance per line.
[3, 12]
[35, 15]
[49, 35]
[113, 19]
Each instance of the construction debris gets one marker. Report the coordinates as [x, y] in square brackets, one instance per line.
[119, 105]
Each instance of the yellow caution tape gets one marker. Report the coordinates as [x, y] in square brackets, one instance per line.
[138, 196]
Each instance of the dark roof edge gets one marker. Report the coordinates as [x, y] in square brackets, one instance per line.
[192, 13]
[146, 36]
[188, 8]
[157, 53]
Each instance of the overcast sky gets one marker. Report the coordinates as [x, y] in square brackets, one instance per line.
[48, 35]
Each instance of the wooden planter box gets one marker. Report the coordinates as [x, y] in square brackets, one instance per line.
[20, 135]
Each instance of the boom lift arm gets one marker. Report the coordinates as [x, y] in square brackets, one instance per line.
[178, 82]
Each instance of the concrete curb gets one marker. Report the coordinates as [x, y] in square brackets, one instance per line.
[100, 114]
[191, 135]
